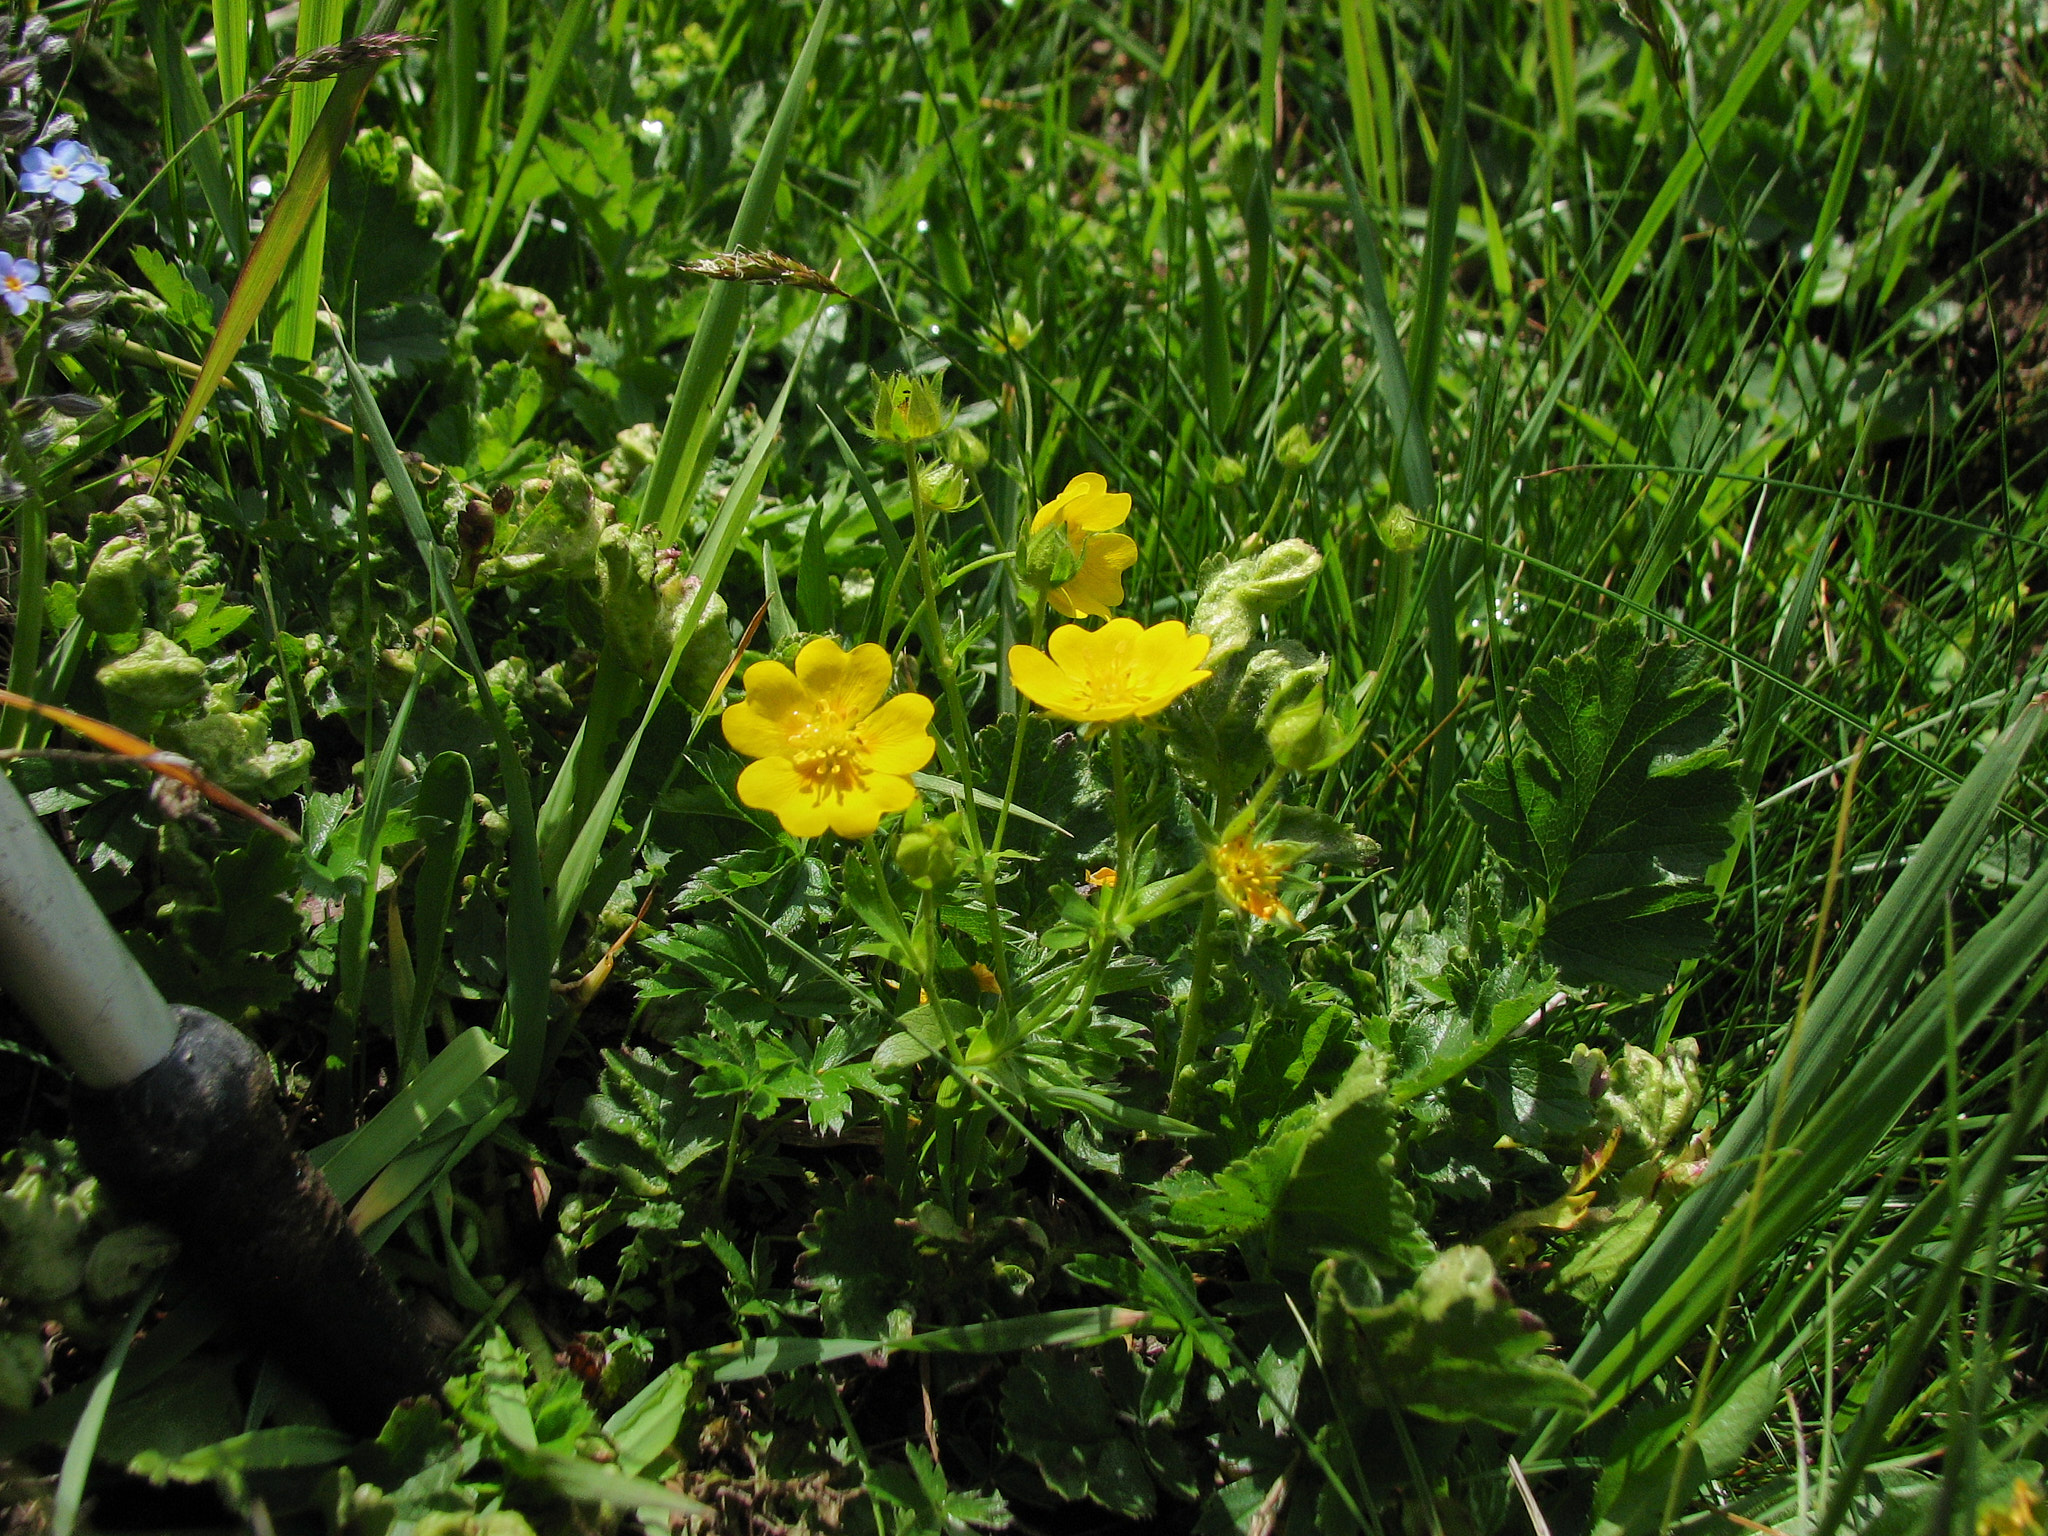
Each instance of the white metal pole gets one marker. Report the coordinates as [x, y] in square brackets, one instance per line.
[61, 960]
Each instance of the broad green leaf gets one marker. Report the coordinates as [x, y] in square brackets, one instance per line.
[646, 1427]
[351, 1162]
[1636, 1482]
[1324, 1183]
[1343, 1196]
[264, 1450]
[1061, 1419]
[1615, 805]
[1452, 1347]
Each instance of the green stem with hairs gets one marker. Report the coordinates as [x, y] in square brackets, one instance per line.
[1189, 1047]
[956, 755]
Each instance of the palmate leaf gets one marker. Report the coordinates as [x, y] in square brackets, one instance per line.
[1615, 805]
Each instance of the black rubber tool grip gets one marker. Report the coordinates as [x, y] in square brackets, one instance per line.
[197, 1144]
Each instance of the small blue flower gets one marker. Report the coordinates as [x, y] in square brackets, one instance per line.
[62, 171]
[18, 285]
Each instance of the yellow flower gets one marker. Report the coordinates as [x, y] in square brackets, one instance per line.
[1086, 506]
[984, 978]
[1249, 875]
[2018, 1515]
[1102, 879]
[1096, 588]
[1122, 671]
[828, 757]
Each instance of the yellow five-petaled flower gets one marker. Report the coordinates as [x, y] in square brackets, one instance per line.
[1122, 671]
[1088, 507]
[1249, 875]
[828, 757]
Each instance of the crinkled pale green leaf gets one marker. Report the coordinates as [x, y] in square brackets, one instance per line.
[1452, 1347]
[1615, 804]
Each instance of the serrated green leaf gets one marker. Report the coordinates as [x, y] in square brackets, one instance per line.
[1616, 805]
[1343, 1195]
[1452, 1347]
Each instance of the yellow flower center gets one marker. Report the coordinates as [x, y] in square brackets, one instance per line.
[828, 756]
[14, 284]
[1250, 875]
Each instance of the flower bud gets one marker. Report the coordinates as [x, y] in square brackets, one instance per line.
[1399, 529]
[16, 124]
[965, 448]
[70, 335]
[1017, 331]
[929, 852]
[83, 306]
[1236, 595]
[1296, 450]
[17, 73]
[77, 407]
[943, 485]
[1226, 471]
[909, 408]
[1048, 558]
[62, 126]
[34, 30]
[54, 45]
[1301, 733]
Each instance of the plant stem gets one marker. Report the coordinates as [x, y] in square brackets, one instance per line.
[1189, 1046]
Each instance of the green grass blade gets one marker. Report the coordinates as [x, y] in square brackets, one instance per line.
[528, 960]
[349, 1163]
[231, 74]
[85, 1434]
[1760, 59]
[533, 112]
[1838, 1024]
[720, 322]
[188, 112]
[298, 317]
[291, 221]
[446, 804]
[721, 539]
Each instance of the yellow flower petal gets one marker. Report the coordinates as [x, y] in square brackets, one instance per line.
[896, 735]
[1039, 678]
[1121, 671]
[1056, 509]
[1098, 586]
[772, 784]
[858, 812]
[828, 757]
[851, 683]
[774, 691]
[1086, 506]
[752, 732]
